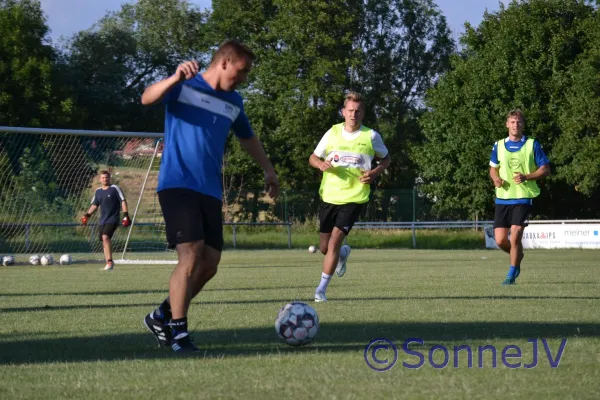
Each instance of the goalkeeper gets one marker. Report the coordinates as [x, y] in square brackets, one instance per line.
[111, 200]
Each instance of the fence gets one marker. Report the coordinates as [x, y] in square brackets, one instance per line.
[27, 229]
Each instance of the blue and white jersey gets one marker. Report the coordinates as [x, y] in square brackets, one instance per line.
[197, 122]
[538, 153]
[109, 200]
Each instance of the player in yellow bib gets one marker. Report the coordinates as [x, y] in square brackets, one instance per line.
[344, 155]
[516, 163]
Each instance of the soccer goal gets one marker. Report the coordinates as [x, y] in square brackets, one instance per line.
[48, 178]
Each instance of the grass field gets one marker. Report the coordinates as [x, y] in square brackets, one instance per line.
[76, 332]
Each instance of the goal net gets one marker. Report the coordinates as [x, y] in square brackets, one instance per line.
[48, 178]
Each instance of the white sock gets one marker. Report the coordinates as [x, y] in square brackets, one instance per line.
[325, 279]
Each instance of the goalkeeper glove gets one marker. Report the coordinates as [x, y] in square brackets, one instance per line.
[126, 220]
[84, 219]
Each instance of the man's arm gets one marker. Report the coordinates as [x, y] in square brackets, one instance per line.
[124, 206]
[370, 176]
[319, 164]
[253, 147]
[495, 175]
[92, 209]
[156, 92]
[538, 174]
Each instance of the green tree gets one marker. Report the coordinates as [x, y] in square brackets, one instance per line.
[310, 54]
[576, 150]
[528, 56]
[403, 47]
[111, 63]
[29, 94]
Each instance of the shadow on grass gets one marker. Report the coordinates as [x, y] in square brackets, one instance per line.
[283, 301]
[151, 291]
[333, 337]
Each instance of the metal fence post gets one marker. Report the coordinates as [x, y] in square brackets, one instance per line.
[27, 237]
[234, 235]
[289, 230]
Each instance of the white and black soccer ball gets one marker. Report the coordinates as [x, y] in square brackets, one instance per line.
[8, 260]
[34, 259]
[47, 259]
[297, 324]
[312, 249]
[65, 259]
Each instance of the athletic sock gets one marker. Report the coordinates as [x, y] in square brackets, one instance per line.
[179, 327]
[512, 272]
[325, 279]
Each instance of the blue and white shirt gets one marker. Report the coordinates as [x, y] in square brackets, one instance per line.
[109, 200]
[538, 153]
[197, 122]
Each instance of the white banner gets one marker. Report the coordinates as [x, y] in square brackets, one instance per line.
[554, 236]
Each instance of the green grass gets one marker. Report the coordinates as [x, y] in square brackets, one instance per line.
[76, 333]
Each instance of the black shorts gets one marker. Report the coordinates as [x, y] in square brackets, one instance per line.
[107, 229]
[341, 216]
[191, 216]
[507, 215]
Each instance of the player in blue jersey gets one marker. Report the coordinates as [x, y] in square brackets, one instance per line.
[517, 162]
[201, 109]
[111, 200]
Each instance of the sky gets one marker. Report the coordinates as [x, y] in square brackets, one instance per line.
[66, 17]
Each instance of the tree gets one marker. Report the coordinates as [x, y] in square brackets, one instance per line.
[310, 54]
[528, 56]
[403, 46]
[579, 118]
[29, 94]
[111, 63]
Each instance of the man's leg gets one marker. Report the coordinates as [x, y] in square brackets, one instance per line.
[324, 242]
[107, 246]
[181, 282]
[516, 247]
[181, 291]
[333, 251]
[106, 237]
[501, 236]
[206, 269]
[327, 215]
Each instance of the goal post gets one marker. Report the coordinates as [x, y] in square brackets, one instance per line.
[48, 178]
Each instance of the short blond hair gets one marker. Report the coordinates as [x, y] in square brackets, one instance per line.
[355, 97]
[516, 113]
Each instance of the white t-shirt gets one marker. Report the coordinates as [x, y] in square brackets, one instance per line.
[380, 150]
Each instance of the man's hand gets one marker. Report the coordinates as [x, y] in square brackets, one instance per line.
[126, 220]
[271, 184]
[368, 177]
[84, 219]
[519, 178]
[325, 165]
[498, 182]
[187, 70]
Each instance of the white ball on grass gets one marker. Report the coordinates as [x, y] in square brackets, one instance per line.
[47, 259]
[312, 249]
[8, 260]
[34, 259]
[65, 259]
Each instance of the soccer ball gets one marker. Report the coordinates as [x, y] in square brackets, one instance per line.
[34, 259]
[312, 249]
[8, 260]
[297, 324]
[47, 259]
[65, 259]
